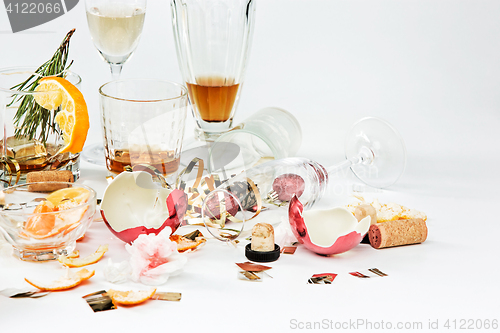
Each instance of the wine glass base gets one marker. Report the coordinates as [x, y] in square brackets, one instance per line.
[221, 158]
[94, 154]
[378, 152]
[193, 148]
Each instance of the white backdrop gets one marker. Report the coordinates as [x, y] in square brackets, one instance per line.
[431, 68]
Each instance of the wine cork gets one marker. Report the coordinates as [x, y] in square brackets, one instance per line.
[48, 181]
[397, 232]
[262, 237]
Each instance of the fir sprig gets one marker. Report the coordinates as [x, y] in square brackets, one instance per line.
[30, 116]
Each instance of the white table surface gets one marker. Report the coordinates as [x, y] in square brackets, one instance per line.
[429, 67]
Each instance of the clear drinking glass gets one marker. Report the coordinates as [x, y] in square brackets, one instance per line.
[143, 123]
[115, 27]
[25, 148]
[213, 40]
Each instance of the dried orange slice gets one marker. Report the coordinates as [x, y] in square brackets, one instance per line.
[73, 117]
[80, 262]
[130, 297]
[68, 281]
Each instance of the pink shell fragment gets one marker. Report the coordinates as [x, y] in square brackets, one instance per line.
[342, 244]
[176, 204]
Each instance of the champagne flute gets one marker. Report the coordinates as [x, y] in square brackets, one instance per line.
[115, 28]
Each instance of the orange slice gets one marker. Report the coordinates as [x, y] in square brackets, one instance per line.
[64, 282]
[80, 262]
[130, 297]
[73, 116]
[65, 199]
[70, 197]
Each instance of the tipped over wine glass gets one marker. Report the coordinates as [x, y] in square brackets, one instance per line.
[375, 152]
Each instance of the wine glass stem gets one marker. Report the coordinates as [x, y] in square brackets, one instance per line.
[116, 70]
[365, 156]
[339, 166]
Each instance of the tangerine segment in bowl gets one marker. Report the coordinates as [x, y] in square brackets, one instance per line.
[58, 214]
[40, 225]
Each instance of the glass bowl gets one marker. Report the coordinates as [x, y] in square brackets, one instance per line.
[44, 220]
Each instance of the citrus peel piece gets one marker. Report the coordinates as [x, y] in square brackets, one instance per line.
[65, 282]
[130, 297]
[88, 260]
[185, 244]
[74, 254]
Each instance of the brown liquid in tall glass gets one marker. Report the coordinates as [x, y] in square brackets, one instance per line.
[213, 97]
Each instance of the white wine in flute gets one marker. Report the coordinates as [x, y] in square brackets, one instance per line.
[116, 31]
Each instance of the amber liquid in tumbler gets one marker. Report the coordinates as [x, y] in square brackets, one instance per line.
[164, 161]
[214, 97]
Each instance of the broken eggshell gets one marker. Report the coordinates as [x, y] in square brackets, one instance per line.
[133, 205]
[326, 232]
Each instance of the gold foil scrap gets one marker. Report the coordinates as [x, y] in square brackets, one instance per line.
[167, 296]
[99, 301]
[250, 276]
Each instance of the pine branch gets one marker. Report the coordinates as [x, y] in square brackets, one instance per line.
[31, 117]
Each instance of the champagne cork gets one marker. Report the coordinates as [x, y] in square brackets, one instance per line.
[262, 247]
[48, 180]
[262, 237]
[397, 232]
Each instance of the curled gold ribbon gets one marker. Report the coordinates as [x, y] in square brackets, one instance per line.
[200, 189]
[4, 161]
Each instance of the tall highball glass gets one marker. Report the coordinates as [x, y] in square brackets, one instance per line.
[213, 40]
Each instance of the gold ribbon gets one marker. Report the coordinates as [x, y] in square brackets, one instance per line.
[200, 189]
[8, 171]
